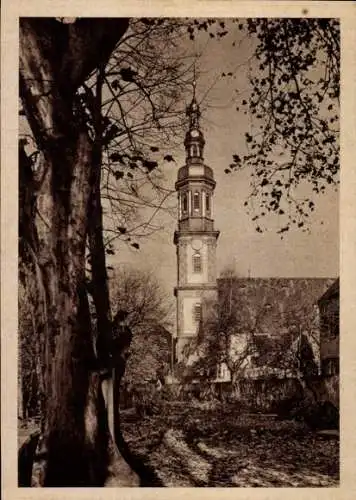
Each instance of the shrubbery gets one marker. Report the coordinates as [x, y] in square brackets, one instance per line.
[317, 415]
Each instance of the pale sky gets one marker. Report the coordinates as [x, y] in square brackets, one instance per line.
[239, 245]
[262, 255]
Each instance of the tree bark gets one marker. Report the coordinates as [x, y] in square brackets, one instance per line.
[54, 60]
[99, 279]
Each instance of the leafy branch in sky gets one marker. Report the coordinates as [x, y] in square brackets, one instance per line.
[294, 110]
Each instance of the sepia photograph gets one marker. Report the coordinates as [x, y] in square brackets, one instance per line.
[178, 252]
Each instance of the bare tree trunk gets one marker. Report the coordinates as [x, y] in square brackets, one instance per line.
[54, 61]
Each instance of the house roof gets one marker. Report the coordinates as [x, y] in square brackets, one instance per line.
[273, 305]
[331, 292]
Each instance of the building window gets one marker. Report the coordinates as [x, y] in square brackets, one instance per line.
[223, 372]
[197, 263]
[197, 313]
[185, 202]
[196, 201]
[207, 202]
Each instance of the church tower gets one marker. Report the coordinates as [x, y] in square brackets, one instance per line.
[195, 237]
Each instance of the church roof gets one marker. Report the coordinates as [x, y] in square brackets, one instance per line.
[273, 305]
[332, 292]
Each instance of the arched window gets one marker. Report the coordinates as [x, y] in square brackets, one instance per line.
[185, 202]
[197, 315]
[207, 202]
[197, 263]
[196, 201]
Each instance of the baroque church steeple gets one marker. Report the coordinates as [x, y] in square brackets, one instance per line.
[195, 237]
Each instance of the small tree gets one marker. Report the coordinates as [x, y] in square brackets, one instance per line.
[228, 330]
[140, 294]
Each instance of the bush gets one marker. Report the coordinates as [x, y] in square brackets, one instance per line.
[148, 400]
[288, 409]
[144, 399]
[321, 415]
[170, 393]
[317, 415]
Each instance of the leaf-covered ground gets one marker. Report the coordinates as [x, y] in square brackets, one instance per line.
[204, 445]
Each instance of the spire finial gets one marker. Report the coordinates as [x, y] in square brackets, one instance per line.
[194, 82]
[194, 87]
[193, 110]
[194, 139]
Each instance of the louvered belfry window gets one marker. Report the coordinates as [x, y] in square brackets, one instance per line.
[197, 313]
[207, 202]
[196, 201]
[185, 202]
[197, 263]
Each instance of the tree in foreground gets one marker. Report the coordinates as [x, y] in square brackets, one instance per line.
[55, 60]
[94, 114]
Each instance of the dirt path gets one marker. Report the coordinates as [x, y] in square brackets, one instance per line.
[181, 465]
[189, 449]
[222, 447]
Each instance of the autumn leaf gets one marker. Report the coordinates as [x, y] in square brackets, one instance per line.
[168, 158]
[128, 74]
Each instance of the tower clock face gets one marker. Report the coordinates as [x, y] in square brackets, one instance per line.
[194, 133]
[197, 244]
